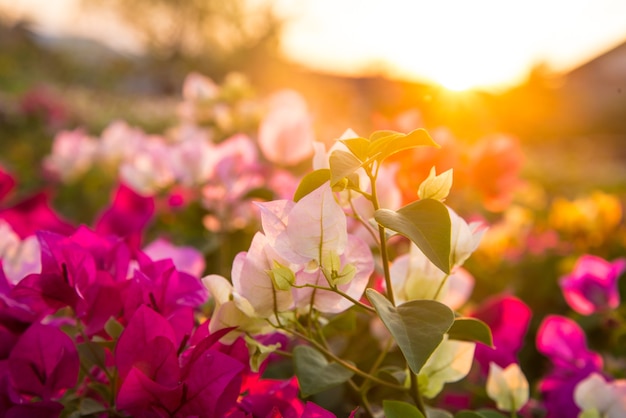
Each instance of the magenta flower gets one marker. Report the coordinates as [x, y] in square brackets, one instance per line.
[43, 363]
[7, 183]
[172, 293]
[84, 271]
[592, 285]
[508, 318]
[565, 344]
[34, 214]
[127, 216]
[153, 382]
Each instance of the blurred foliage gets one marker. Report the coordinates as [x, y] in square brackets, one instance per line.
[213, 35]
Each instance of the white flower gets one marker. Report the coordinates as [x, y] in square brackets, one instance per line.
[450, 362]
[599, 398]
[507, 387]
[464, 238]
[232, 310]
[19, 257]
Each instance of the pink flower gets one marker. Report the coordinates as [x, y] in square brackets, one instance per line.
[154, 382]
[73, 154]
[185, 259]
[43, 363]
[33, 214]
[127, 215]
[565, 344]
[286, 134]
[7, 183]
[592, 286]
[508, 318]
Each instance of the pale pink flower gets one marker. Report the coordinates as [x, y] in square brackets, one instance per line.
[286, 133]
[72, 155]
[118, 142]
[150, 168]
[186, 259]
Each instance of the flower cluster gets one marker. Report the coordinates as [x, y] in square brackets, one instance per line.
[356, 293]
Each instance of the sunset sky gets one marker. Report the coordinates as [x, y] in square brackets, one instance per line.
[457, 43]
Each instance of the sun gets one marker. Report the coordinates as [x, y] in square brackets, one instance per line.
[458, 80]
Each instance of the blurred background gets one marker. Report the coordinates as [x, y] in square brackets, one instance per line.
[527, 99]
[551, 74]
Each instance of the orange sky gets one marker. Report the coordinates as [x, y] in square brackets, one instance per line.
[457, 43]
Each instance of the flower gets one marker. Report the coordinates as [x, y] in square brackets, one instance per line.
[508, 318]
[599, 398]
[73, 153]
[564, 343]
[450, 362]
[508, 387]
[286, 133]
[592, 285]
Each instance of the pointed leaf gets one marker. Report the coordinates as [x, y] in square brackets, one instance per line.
[358, 147]
[342, 164]
[315, 374]
[426, 223]
[386, 143]
[114, 328]
[310, 182]
[471, 329]
[417, 326]
[399, 409]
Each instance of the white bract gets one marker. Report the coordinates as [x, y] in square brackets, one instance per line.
[601, 399]
[450, 362]
[232, 310]
[436, 186]
[507, 387]
[19, 257]
[464, 238]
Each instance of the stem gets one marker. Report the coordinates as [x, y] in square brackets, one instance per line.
[358, 217]
[415, 393]
[363, 395]
[347, 365]
[385, 260]
[339, 292]
[443, 282]
[383, 242]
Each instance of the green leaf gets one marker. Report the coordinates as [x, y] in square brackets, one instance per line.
[342, 324]
[310, 182]
[386, 143]
[282, 276]
[260, 193]
[425, 222]
[417, 326]
[90, 406]
[114, 328]
[91, 354]
[315, 374]
[471, 329]
[437, 413]
[481, 413]
[357, 146]
[342, 164]
[399, 409]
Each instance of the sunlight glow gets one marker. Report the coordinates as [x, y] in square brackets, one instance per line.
[457, 44]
